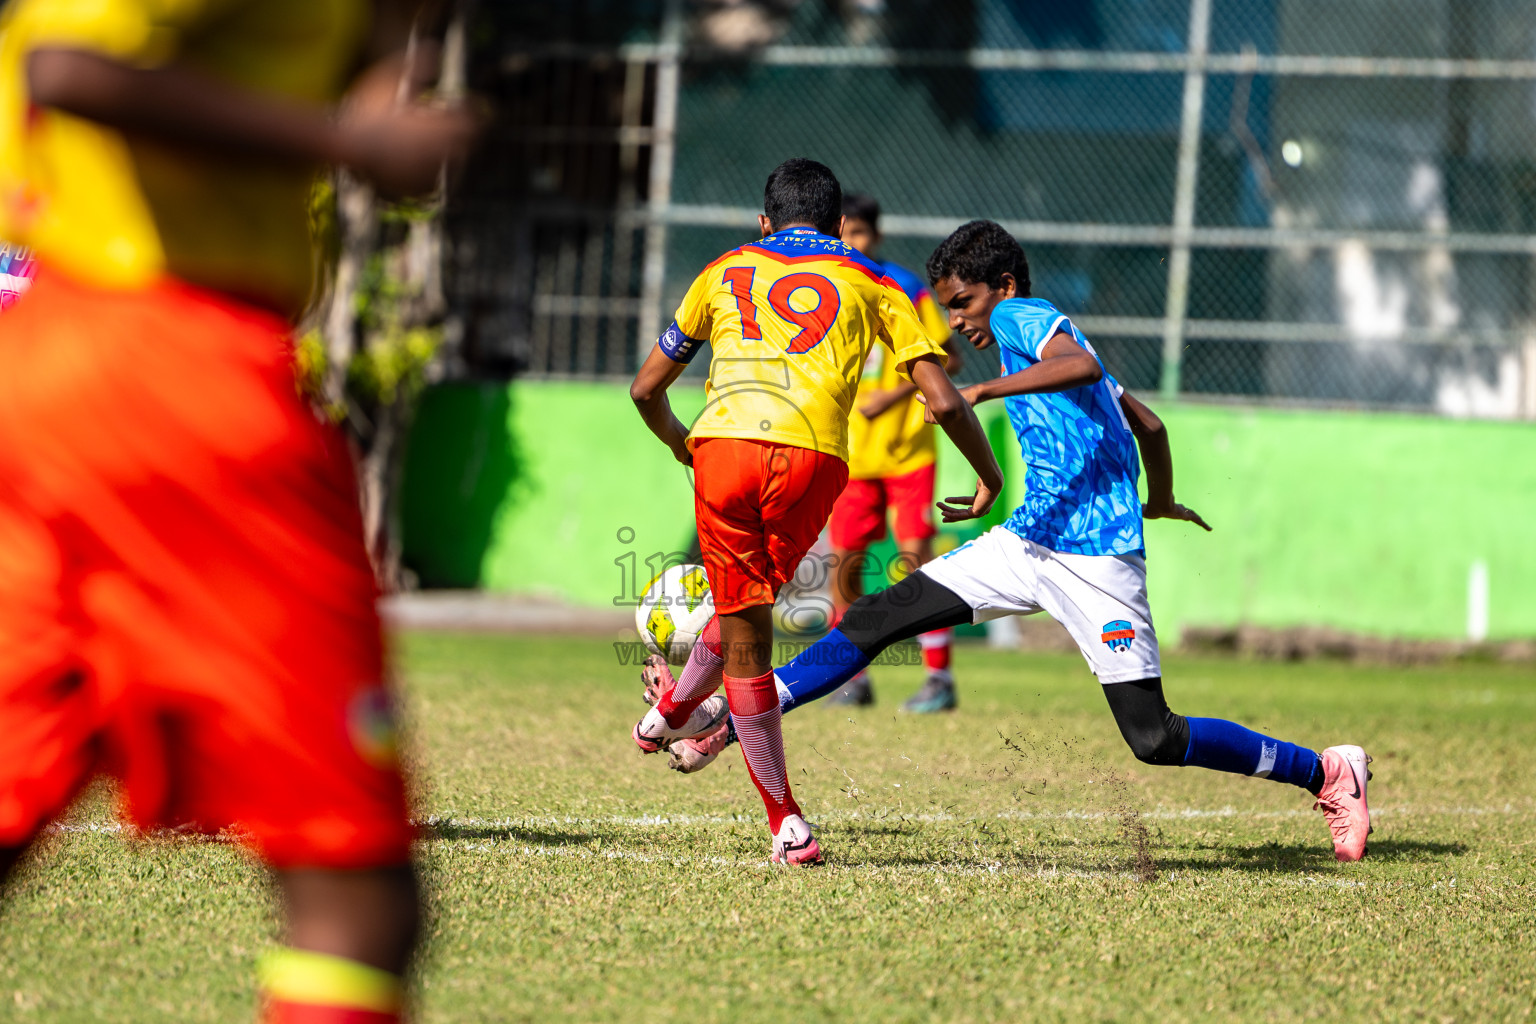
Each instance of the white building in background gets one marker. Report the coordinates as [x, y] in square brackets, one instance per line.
[1436, 298]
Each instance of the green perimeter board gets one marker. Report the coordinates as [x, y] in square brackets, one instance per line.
[1361, 522]
[530, 488]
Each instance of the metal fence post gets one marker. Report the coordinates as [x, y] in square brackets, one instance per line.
[663, 153]
[1184, 197]
[1528, 379]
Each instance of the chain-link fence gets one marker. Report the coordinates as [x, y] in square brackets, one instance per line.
[1279, 200]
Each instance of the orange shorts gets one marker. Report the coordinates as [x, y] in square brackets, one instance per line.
[760, 507]
[185, 600]
[858, 518]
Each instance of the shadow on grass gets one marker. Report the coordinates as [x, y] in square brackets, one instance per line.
[869, 847]
[1002, 865]
[1280, 858]
[437, 831]
[1412, 849]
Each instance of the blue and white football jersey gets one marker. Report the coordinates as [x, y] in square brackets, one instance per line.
[1081, 458]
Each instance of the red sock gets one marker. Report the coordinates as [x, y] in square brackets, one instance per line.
[710, 638]
[936, 647]
[701, 677]
[755, 711]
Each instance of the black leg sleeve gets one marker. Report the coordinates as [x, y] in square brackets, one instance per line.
[1155, 734]
[915, 605]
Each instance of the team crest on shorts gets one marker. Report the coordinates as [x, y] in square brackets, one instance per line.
[371, 723]
[1117, 635]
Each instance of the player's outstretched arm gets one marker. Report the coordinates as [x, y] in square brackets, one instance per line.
[400, 146]
[649, 393]
[1063, 365]
[1157, 457]
[950, 410]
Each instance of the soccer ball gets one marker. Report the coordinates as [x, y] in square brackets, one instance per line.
[674, 610]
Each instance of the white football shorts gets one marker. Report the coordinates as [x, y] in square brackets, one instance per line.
[1101, 599]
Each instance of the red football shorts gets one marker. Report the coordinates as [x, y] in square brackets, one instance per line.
[760, 506]
[858, 518]
[185, 600]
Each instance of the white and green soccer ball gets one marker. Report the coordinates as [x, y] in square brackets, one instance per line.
[674, 610]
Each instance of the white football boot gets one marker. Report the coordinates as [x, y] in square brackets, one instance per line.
[652, 733]
[795, 844]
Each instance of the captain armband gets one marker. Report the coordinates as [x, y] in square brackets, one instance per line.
[677, 346]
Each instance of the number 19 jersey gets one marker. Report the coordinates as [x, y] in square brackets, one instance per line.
[791, 320]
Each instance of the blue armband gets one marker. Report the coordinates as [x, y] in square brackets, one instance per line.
[677, 346]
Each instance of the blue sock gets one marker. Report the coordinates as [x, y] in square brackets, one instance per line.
[1228, 747]
[819, 669]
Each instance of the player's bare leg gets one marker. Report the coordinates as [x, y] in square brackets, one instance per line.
[938, 690]
[349, 938]
[369, 916]
[747, 639]
[848, 587]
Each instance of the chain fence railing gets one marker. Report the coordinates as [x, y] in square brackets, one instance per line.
[1264, 200]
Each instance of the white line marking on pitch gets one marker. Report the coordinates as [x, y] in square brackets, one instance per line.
[1184, 814]
[938, 870]
[659, 820]
[965, 870]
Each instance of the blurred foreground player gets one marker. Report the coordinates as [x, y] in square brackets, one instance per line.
[185, 600]
[16, 267]
[1073, 549]
[892, 466]
[791, 320]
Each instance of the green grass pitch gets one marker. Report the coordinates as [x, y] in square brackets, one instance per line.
[1008, 862]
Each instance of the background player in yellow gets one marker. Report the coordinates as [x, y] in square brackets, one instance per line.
[891, 473]
[791, 320]
[185, 601]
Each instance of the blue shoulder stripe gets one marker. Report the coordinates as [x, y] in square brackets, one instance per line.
[805, 242]
[909, 282]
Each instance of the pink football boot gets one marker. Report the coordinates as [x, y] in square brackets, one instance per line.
[696, 754]
[652, 733]
[1342, 800]
[795, 844]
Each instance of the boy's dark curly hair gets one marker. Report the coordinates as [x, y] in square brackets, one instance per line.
[980, 252]
[802, 191]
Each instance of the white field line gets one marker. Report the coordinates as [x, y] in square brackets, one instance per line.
[1160, 814]
[504, 848]
[937, 870]
[981, 870]
[664, 820]
[989, 869]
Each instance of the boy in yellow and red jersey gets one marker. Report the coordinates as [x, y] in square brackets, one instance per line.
[185, 601]
[791, 320]
[891, 472]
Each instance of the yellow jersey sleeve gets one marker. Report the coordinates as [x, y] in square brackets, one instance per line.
[903, 332]
[119, 212]
[695, 316]
[145, 33]
[934, 319]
